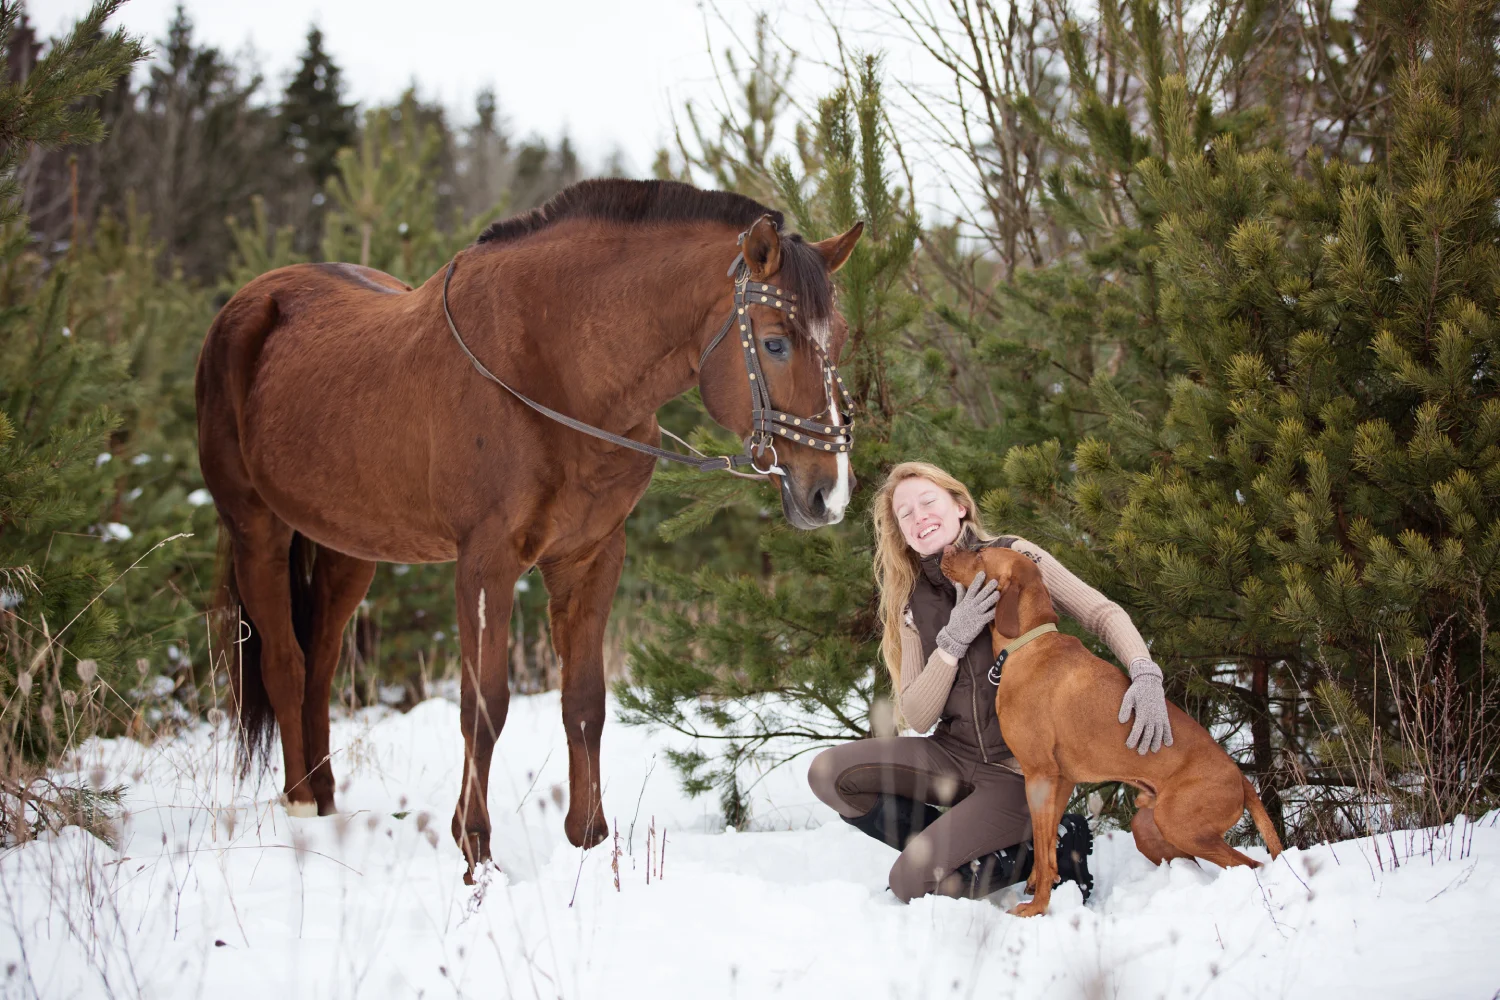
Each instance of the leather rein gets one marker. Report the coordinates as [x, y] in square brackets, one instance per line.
[766, 421]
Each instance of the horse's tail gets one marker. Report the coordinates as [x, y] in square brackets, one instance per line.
[1262, 819]
[238, 645]
[226, 369]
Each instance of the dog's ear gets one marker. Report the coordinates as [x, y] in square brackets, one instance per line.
[1008, 611]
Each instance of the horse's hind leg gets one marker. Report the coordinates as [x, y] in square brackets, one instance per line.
[339, 583]
[262, 549]
[581, 590]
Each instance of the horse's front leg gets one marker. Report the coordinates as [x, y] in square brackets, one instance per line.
[485, 587]
[581, 588]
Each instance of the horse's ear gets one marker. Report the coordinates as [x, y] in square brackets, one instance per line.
[762, 248]
[836, 249]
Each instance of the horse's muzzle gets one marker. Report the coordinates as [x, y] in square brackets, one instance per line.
[817, 507]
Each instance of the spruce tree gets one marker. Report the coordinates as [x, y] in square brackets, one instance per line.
[315, 124]
[187, 149]
[315, 121]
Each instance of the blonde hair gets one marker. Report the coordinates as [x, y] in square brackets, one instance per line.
[896, 565]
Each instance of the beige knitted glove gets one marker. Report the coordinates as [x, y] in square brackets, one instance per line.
[971, 615]
[1148, 701]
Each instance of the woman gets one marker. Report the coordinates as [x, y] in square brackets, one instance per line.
[937, 648]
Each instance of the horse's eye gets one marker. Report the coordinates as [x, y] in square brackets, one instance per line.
[776, 347]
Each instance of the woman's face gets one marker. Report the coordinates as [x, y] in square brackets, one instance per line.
[928, 515]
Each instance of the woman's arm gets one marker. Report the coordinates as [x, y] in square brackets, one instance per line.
[1087, 606]
[924, 684]
[1109, 622]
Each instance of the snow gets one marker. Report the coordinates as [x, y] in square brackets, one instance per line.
[216, 892]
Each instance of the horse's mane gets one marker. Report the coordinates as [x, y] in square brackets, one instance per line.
[630, 203]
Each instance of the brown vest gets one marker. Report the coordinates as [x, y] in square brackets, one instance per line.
[968, 724]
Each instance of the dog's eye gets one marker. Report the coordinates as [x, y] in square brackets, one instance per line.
[776, 347]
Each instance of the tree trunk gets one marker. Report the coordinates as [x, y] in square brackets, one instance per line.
[1263, 754]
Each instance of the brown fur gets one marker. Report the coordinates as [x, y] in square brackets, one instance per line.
[1059, 709]
[333, 405]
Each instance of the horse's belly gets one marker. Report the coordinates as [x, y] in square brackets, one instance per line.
[352, 478]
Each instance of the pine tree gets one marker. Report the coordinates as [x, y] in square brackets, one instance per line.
[1298, 500]
[762, 666]
[59, 402]
[735, 152]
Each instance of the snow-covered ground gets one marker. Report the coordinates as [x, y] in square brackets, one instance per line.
[216, 893]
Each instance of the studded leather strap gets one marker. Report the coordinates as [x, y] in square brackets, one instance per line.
[766, 421]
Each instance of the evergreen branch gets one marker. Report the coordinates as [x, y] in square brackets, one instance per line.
[52, 640]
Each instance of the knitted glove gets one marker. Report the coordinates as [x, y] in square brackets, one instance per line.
[1146, 699]
[971, 615]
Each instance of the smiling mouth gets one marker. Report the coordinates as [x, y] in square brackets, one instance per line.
[927, 531]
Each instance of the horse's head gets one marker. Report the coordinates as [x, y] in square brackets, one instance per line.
[791, 338]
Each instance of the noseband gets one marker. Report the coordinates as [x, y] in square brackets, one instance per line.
[766, 422]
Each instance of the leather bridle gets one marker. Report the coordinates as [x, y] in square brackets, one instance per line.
[766, 422]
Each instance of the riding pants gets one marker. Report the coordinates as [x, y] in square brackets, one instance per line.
[987, 804]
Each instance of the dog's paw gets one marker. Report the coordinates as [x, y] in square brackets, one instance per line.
[1030, 908]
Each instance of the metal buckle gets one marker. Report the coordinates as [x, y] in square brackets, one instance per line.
[775, 465]
[994, 673]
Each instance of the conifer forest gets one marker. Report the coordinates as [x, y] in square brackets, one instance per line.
[1209, 307]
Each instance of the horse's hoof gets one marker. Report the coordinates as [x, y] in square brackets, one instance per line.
[302, 810]
[475, 846]
[586, 836]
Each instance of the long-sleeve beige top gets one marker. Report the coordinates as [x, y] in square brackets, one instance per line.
[925, 684]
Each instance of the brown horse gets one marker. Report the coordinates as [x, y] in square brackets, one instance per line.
[340, 425]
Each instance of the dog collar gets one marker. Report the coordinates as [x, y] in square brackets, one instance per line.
[1012, 646]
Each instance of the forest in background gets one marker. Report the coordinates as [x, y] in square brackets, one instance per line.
[1215, 327]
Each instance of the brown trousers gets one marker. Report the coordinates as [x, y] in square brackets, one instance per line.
[987, 804]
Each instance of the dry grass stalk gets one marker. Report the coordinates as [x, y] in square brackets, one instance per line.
[650, 846]
[614, 856]
[1415, 784]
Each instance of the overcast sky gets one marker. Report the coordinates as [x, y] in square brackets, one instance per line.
[609, 73]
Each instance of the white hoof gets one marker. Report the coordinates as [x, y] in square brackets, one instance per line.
[302, 809]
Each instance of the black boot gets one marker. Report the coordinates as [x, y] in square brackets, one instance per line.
[1074, 845]
[895, 820]
[991, 872]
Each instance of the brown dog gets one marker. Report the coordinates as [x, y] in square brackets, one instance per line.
[1059, 709]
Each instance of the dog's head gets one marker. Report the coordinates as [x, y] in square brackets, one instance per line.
[1014, 572]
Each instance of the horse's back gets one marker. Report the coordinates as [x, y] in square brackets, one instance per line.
[319, 370]
[312, 295]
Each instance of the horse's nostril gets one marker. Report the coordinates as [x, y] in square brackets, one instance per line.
[819, 502]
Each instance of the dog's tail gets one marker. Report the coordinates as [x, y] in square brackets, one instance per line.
[1262, 819]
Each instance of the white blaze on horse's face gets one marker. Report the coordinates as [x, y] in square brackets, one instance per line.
[839, 498]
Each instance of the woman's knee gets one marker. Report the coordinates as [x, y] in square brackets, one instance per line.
[823, 778]
[917, 871]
